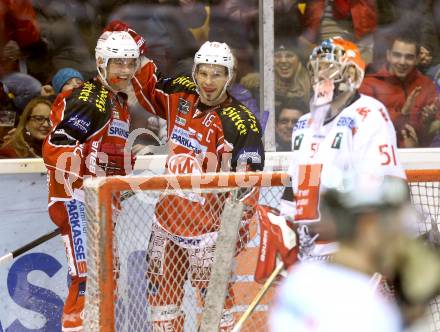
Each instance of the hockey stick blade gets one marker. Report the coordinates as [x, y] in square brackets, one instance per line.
[17, 252]
[258, 297]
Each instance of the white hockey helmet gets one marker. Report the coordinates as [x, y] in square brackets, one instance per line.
[215, 53]
[114, 45]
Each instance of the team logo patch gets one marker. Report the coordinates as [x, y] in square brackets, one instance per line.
[78, 124]
[118, 128]
[184, 164]
[345, 121]
[301, 124]
[337, 141]
[297, 141]
[183, 106]
[363, 112]
[180, 121]
[183, 138]
[115, 115]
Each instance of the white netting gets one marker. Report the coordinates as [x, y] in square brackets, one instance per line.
[144, 295]
[163, 247]
[426, 199]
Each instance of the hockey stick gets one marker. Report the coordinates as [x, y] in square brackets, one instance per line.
[258, 297]
[14, 254]
[17, 252]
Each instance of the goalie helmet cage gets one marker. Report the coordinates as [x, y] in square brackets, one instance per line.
[121, 286]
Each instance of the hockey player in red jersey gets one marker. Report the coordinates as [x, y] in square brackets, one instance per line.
[208, 130]
[90, 129]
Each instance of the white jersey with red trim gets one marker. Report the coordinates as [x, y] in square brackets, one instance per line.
[360, 139]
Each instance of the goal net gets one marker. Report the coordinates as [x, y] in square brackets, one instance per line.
[178, 253]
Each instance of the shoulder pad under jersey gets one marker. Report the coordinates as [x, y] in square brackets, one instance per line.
[242, 129]
[88, 108]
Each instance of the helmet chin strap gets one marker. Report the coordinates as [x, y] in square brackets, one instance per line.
[217, 100]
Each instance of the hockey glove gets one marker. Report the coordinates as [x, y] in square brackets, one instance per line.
[115, 163]
[277, 237]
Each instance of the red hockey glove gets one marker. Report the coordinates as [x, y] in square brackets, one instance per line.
[115, 163]
[277, 237]
[117, 25]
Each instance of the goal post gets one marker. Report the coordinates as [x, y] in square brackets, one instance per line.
[121, 286]
[112, 222]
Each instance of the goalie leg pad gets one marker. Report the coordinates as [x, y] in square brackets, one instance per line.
[276, 238]
[227, 321]
[167, 267]
[167, 318]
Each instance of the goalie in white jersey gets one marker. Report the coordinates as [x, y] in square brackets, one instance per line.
[345, 131]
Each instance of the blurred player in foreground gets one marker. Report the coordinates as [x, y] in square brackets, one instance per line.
[346, 293]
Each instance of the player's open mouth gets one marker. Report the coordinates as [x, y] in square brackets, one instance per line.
[401, 69]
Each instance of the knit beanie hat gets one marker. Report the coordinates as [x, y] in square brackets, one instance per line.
[22, 88]
[62, 76]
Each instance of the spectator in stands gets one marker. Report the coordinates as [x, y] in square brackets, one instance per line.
[286, 116]
[393, 16]
[19, 35]
[168, 24]
[291, 78]
[235, 22]
[410, 97]
[66, 79]
[425, 63]
[241, 93]
[33, 127]
[21, 88]
[353, 20]
[66, 47]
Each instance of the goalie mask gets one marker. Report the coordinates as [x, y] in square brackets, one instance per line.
[214, 53]
[118, 45]
[335, 67]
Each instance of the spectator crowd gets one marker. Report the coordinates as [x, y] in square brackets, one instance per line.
[47, 47]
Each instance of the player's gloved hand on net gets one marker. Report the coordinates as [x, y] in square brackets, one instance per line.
[116, 160]
[117, 25]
